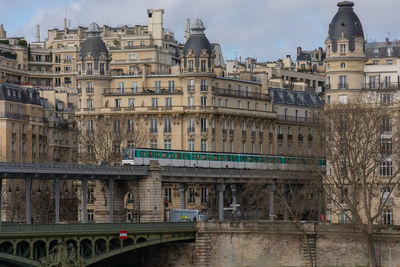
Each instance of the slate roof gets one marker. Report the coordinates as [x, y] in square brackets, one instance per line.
[380, 49]
[93, 44]
[295, 98]
[19, 94]
[345, 21]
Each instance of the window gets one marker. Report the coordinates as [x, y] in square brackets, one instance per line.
[342, 48]
[171, 86]
[191, 195]
[167, 125]
[89, 103]
[203, 66]
[142, 43]
[191, 145]
[101, 68]
[121, 87]
[375, 62]
[154, 102]
[135, 87]
[68, 58]
[67, 80]
[117, 126]
[89, 125]
[386, 168]
[157, 86]
[387, 216]
[153, 126]
[89, 88]
[203, 101]
[389, 51]
[389, 62]
[243, 146]
[204, 195]
[239, 104]
[344, 217]
[90, 215]
[131, 126]
[89, 68]
[167, 144]
[386, 98]
[203, 86]
[118, 103]
[387, 82]
[168, 102]
[190, 101]
[219, 102]
[153, 144]
[191, 126]
[203, 144]
[386, 124]
[342, 82]
[386, 196]
[343, 99]
[203, 122]
[343, 65]
[131, 102]
[168, 195]
[223, 145]
[329, 99]
[372, 82]
[230, 146]
[190, 66]
[227, 103]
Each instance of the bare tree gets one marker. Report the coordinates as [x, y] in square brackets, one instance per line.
[294, 201]
[104, 142]
[362, 151]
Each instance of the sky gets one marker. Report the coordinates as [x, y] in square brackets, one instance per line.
[264, 29]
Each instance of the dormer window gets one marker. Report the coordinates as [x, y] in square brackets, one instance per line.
[342, 48]
[190, 67]
[203, 66]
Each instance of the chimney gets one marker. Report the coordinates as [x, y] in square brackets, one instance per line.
[320, 53]
[387, 40]
[298, 51]
[3, 33]
[65, 23]
[37, 33]
[187, 32]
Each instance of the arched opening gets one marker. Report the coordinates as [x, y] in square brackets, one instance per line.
[141, 240]
[39, 250]
[127, 242]
[23, 249]
[100, 247]
[115, 243]
[53, 244]
[86, 248]
[6, 247]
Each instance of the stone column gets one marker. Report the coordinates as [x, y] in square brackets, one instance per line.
[271, 203]
[182, 192]
[84, 200]
[57, 198]
[28, 192]
[234, 200]
[111, 188]
[151, 200]
[221, 189]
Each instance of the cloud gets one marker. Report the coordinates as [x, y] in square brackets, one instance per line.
[267, 29]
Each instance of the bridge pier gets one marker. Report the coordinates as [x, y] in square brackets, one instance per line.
[57, 198]
[271, 203]
[84, 200]
[28, 192]
[182, 192]
[221, 190]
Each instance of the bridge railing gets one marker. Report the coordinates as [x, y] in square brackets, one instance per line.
[96, 227]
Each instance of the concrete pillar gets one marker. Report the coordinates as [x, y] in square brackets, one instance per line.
[221, 189]
[28, 192]
[1, 194]
[57, 198]
[84, 200]
[182, 192]
[151, 199]
[271, 203]
[111, 188]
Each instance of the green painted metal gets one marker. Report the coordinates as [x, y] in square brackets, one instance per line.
[137, 246]
[18, 260]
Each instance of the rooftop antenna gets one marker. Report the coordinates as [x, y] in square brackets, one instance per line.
[236, 55]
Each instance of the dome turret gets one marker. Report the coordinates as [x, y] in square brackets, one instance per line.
[345, 24]
[93, 45]
[197, 40]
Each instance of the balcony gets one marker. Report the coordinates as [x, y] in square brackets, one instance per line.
[342, 86]
[204, 131]
[15, 116]
[89, 90]
[153, 130]
[167, 130]
[298, 119]
[203, 88]
[241, 94]
[190, 88]
[300, 138]
[280, 136]
[224, 131]
[190, 130]
[145, 91]
[231, 132]
[381, 86]
[289, 137]
[253, 134]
